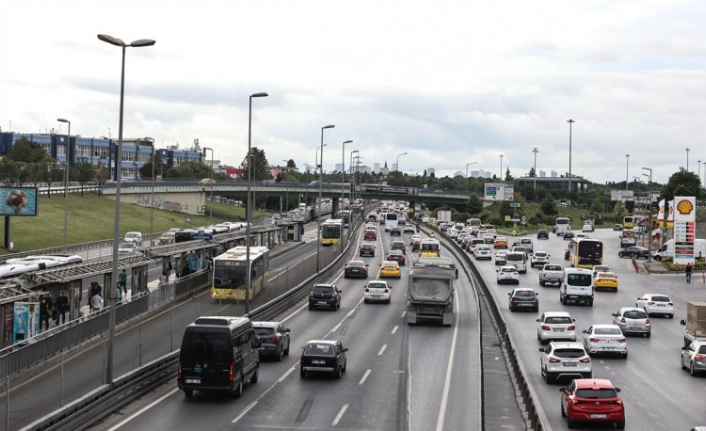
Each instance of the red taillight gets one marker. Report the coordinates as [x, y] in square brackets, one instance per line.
[544, 274]
[650, 303]
[276, 338]
[571, 328]
[622, 340]
[593, 340]
[231, 375]
[622, 320]
[545, 327]
[367, 290]
[387, 291]
[699, 357]
[179, 370]
[647, 321]
[585, 360]
[670, 304]
[554, 360]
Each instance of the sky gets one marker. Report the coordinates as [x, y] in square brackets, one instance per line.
[447, 82]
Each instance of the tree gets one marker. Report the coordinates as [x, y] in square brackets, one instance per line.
[682, 183]
[548, 206]
[101, 174]
[83, 173]
[260, 165]
[9, 172]
[24, 150]
[508, 175]
[474, 205]
[190, 169]
[291, 164]
[532, 173]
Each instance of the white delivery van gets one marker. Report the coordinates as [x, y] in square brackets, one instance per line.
[667, 250]
[577, 286]
[518, 259]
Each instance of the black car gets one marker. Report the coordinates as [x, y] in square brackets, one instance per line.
[274, 339]
[635, 251]
[569, 235]
[542, 234]
[395, 231]
[367, 250]
[323, 356]
[325, 295]
[397, 256]
[356, 268]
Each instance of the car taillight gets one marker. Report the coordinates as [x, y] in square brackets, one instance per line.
[593, 340]
[651, 303]
[647, 321]
[571, 328]
[179, 370]
[585, 360]
[670, 304]
[276, 338]
[367, 290]
[622, 340]
[544, 274]
[534, 298]
[231, 374]
[699, 357]
[387, 291]
[622, 320]
[545, 327]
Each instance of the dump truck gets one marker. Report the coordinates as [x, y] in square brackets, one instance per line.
[431, 290]
[695, 323]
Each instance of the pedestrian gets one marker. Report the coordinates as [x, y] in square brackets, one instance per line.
[62, 306]
[122, 283]
[43, 314]
[96, 302]
[689, 268]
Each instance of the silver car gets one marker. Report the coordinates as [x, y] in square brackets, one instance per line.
[693, 357]
[633, 320]
[556, 325]
[565, 359]
[605, 339]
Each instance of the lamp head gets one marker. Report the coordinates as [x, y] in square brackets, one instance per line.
[63, 120]
[259, 95]
[330, 126]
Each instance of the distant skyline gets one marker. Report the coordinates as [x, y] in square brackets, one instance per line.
[448, 83]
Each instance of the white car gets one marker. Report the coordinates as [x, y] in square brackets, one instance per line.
[605, 339]
[501, 257]
[565, 359]
[126, 248]
[600, 268]
[587, 228]
[556, 325]
[377, 291]
[656, 303]
[135, 237]
[414, 238]
[539, 258]
[408, 228]
[508, 274]
[482, 251]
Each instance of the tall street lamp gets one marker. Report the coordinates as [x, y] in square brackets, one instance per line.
[343, 170]
[535, 151]
[687, 158]
[501, 167]
[699, 171]
[571, 123]
[350, 166]
[116, 231]
[627, 166]
[317, 162]
[649, 205]
[66, 185]
[321, 179]
[397, 165]
[212, 181]
[248, 209]
[467, 165]
[357, 160]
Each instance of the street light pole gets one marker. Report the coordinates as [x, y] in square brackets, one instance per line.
[627, 165]
[66, 185]
[110, 293]
[343, 171]
[535, 151]
[571, 123]
[350, 166]
[248, 209]
[649, 205]
[467, 165]
[321, 180]
[204, 153]
[501, 167]
[397, 165]
[687, 158]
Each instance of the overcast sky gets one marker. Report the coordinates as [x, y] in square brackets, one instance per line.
[447, 82]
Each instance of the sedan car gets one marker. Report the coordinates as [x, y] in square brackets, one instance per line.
[274, 339]
[656, 303]
[592, 400]
[377, 291]
[395, 231]
[325, 295]
[523, 298]
[323, 356]
[126, 248]
[398, 244]
[482, 251]
[568, 235]
[397, 256]
[501, 257]
[565, 359]
[370, 235]
[500, 242]
[605, 339]
[556, 325]
[508, 274]
[693, 357]
[633, 320]
[356, 268]
[636, 251]
[542, 234]
[414, 238]
[606, 280]
[390, 269]
[617, 227]
[539, 258]
[409, 229]
[417, 245]
[367, 250]
[587, 228]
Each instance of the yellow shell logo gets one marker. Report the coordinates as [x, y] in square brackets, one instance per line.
[685, 207]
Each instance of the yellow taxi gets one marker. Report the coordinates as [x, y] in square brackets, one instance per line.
[501, 242]
[606, 280]
[390, 269]
[431, 222]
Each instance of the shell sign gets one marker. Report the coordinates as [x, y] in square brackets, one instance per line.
[685, 207]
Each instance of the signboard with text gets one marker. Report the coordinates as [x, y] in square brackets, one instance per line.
[499, 192]
[622, 195]
[684, 229]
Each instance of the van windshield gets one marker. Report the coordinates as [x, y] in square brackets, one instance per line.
[205, 347]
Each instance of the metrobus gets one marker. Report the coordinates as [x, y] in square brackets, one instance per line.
[345, 215]
[229, 276]
[562, 225]
[585, 252]
[430, 247]
[331, 231]
[390, 220]
[629, 222]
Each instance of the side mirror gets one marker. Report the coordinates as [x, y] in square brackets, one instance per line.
[614, 314]
[573, 320]
[585, 331]
[562, 389]
[617, 389]
[509, 294]
[345, 349]
[538, 320]
[682, 321]
[286, 330]
[541, 349]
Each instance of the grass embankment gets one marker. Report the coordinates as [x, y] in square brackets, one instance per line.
[531, 209]
[91, 218]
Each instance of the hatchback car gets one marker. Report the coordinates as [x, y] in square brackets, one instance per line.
[693, 357]
[605, 339]
[501, 257]
[323, 356]
[367, 250]
[326, 296]
[414, 238]
[635, 251]
[605, 280]
[656, 304]
[370, 235]
[500, 242]
[398, 244]
[523, 298]
[508, 274]
[482, 252]
[395, 231]
[556, 325]
[356, 268]
[274, 339]
[377, 291]
[565, 359]
[396, 255]
[633, 321]
[539, 258]
[592, 400]
[409, 229]
[569, 235]
[390, 269]
[618, 227]
[542, 234]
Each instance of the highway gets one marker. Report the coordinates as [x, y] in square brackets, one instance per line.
[399, 377]
[658, 395]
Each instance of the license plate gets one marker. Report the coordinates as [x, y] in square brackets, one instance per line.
[632, 327]
[193, 381]
[597, 416]
[609, 348]
[318, 362]
[322, 303]
[569, 364]
[660, 305]
[558, 329]
[375, 296]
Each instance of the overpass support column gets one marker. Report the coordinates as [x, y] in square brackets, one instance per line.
[335, 202]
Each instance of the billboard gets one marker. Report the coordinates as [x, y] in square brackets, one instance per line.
[18, 201]
[622, 195]
[499, 192]
[25, 321]
[684, 229]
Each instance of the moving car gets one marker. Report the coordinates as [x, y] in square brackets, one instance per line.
[414, 238]
[551, 274]
[390, 269]
[618, 227]
[606, 280]
[397, 256]
[501, 257]
[367, 250]
[135, 237]
[605, 339]
[395, 231]
[482, 251]
[556, 325]
[398, 244]
[542, 234]
[592, 400]
[568, 235]
[565, 359]
[377, 291]
[370, 235]
[600, 268]
[274, 339]
[656, 303]
[636, 251]
[508, 274]
[409, 229]
[693, 357]
[356, 268]
[633, 320]
[326, 296]
[587, 228]
[539, 258]
[523, 298]
[126, 248]
[323, 356]
[500, 242]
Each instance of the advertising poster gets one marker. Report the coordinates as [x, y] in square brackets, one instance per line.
[684, 229]
[25, 321]
[18, 201]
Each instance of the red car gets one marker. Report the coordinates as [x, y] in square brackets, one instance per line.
[397, 256]
[370, 235]
[592, 400]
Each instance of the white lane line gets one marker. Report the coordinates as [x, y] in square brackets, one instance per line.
[384, 346]
[447, 382]
[365, 376]
[144, 409]
[404, 313]
[338, 325]
[247, 409]
[340, 415]
[284, 376]
[395, 329]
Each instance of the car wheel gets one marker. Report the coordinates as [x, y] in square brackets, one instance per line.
[683, 367]
[188, 393]
[256, 375]
[671, 316]
[620, 254]
[338, 373]
[625, 355]
[280, 356]
[311, 307]
[345, 275]
[648, 335]
[590, 303]
[692, 371]
[238, 392]
[541, 283]
[620, 424]
[563, 412]
[570, 424]
[302, 373]
[286, 351]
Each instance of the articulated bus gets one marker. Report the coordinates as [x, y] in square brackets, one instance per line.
[331, 231]
[585, 252]
[230, 273]
[629, 222]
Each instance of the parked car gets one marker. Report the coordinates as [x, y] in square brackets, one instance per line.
[693, 357]
[605, 280]
[323, 356]
[367, 250]
[377, 291]
[508, 274]
[390, 269]
[633, 320]
[565, 359]
[274, 339]
[592, 400]
[556, 325]
[326, 296]
[635, 251]
[523, 298]
[356, 268]
[397, 256]
[605, 339]
[542, 234]
[656, 303]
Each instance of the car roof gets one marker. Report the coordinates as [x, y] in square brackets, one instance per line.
[323, 285]
[377, 281]
[395, 252]
[330, 342]
[624, 309]
[606, 325]
[557, 314]
[513, 267]
[523, 289]
[567, 345]
[593, 383]
[656, 294]
[265, 324]
[356, 262]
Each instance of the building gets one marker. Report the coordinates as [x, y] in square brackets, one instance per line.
[578, 184]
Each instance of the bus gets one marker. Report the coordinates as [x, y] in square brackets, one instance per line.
[229, 276]
[629, 222]
[473, 222]
[562, 225]
[390, 220]
[585, 252]
[430, 247]
[331, 231]
[345, 215]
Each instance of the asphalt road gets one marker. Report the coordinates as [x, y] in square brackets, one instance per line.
[658, 395]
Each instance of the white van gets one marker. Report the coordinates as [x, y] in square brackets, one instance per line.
[577, 286]
[518, 259]
[135, 237]
[667, 250]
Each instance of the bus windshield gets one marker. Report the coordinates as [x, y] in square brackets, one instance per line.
[331, 231]
[229, 274]
[562, 220]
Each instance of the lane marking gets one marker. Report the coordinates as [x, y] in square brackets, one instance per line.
[404, 313]
[449, 368]
[245, 410]
[340, 415]
[395, 329]
[384, 346]
[144, 409]
[344, 318]
[285, 375]
[295, 312]
[365, 376]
